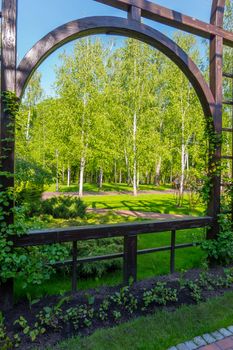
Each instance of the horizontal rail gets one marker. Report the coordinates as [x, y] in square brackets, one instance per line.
[172, 18]
[228, 102]
[227, 75]
[121, 255]
[227, 129]
[227, 157]
[62, 235]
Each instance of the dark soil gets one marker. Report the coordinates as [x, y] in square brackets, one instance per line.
[93, 299]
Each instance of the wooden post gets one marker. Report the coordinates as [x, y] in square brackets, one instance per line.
[134, 13]
[8, 83]
[172, 256]
[130, 259]
[216, 71]
[74, 267]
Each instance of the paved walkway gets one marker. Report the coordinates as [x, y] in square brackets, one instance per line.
[224, 344]
[221, 339]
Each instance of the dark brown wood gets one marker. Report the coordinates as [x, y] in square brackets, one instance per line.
[172, 256]
[173, 18]
[61, 235]
[227, 129]
[227, 75]
[134, 13]
[130, 259]
[216, 76]
[217, 13]
[6, 295]
[74, 266]
[227, 157]
[121, 255]
[118, 26]
[90, 259]
[7, 145]
[228, 102]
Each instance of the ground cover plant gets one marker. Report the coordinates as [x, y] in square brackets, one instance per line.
[159, 331]
[53, 318]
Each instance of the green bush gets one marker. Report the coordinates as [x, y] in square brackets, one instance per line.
[220, 250]
[64, 207]
[99, 247]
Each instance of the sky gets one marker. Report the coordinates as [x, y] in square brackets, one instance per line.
[38, 17]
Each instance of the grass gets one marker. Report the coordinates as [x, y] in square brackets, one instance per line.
[157, 203]
[160, 330]
[107, 187]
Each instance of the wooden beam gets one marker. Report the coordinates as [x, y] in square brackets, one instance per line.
[217, 12]
[7, 145]
[41, 237]
[216, 77]
[134, 13]
[130, 259]
[173, 18]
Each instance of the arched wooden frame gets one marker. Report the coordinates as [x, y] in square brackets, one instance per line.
[15, 79]
[117, 26]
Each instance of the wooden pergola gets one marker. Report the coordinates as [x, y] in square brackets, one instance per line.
[14, 78]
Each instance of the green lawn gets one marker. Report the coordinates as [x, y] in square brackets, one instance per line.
[160, 330]
[158, 203]
[107, 187]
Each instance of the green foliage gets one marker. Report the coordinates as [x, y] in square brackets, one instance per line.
[64, 207]
[126, 301]
[99, 247]
[159, 294]
[30, 180]
[220, 249]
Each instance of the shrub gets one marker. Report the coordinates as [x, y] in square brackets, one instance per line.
[99, 247]
[220, 250]
[64, 207]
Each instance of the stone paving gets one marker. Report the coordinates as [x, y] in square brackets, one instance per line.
[221, 339]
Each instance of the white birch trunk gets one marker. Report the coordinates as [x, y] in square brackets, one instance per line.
[57, 172]
[68, 176]
[120, 177]
[115, 172]
[81, 176]
[28, 125]
[127, 168]
[134, 154]
[101, 178]
[157, 171]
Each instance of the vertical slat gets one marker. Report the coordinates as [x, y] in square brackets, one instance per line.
[130, 259]
[216, 72]
[134, 13]
[8, 81]
[172, 257]
[74, 266]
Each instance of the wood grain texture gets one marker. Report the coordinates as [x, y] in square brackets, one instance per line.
[41, 237]
[7, 145]
[130, 259]
[116, 26]
[134, 13]
[174, 19]
[216, 76]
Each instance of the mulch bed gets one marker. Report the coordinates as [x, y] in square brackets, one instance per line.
[94, 298]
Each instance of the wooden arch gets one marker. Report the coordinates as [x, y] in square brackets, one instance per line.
[15, 79]
[118, 26]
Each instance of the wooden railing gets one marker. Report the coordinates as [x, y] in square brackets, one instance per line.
[129, 231]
